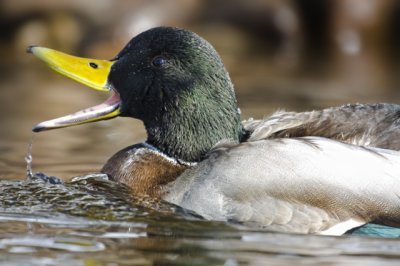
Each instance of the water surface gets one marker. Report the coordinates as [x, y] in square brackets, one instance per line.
[95, 222]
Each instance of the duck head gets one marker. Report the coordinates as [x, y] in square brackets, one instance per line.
[170, 78]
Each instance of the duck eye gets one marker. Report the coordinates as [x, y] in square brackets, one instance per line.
[159, 61]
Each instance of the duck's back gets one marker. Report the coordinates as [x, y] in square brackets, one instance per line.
[373, 125]
[304, 185]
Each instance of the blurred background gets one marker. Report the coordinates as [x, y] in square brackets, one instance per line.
[281, 54]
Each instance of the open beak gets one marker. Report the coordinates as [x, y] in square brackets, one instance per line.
[90, 72]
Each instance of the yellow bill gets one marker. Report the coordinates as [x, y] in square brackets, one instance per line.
[90, 72]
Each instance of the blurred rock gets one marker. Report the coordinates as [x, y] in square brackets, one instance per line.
[360, 37]
[76, 26]
[61, 31]
[274, 24]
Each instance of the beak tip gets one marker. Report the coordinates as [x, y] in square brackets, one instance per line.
[38, 128]
[29, 49]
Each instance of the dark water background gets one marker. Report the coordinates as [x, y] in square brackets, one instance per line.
[295, 55]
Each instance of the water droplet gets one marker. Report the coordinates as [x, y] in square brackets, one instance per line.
[28, 158]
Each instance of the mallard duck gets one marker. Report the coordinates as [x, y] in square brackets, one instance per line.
[321, 172]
